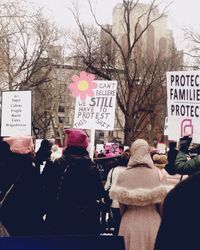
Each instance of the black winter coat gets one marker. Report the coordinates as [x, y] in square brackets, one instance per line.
[21, 212]
[180, 223]
[78, 185]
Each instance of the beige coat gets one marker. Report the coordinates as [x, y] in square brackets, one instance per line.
[115, 173]
[139, 189]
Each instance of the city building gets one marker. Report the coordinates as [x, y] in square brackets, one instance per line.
[59, 107]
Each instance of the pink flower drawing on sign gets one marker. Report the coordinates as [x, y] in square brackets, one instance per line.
[83, 85]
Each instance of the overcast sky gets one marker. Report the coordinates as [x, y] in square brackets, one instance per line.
[181, 13]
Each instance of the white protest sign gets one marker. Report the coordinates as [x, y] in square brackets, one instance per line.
[183, 104]
[161, 147]
[37, 144]
[166, 126]
[16, 113]
[97, 112]
[100, 148]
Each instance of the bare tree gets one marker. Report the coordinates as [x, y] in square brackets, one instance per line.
[27, 60]
[24, 37]
[192, 51]
[131, 58]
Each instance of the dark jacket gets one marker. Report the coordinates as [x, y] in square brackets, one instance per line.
[186, 166]
[43, 153]
[171, 159]
[181, 217]
[76, 210]
[21, 212]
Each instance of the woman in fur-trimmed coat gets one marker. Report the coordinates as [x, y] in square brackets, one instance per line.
[139, 190]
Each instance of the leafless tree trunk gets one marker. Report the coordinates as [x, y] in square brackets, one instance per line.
[140, 74]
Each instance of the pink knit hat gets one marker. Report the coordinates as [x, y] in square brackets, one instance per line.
[20, 144]
[76, 138]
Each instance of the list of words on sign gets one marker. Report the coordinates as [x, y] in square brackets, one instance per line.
[99, 110]
[16, 112]
[185, 93]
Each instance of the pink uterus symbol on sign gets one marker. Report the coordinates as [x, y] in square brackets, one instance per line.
[186, 127]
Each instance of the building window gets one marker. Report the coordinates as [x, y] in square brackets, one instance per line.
[110, 133]
[61, 109]
[61, 119]
[101, 135]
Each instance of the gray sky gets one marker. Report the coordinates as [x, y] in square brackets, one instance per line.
[181, 13]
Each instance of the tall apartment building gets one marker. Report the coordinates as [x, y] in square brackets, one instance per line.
[156, 41]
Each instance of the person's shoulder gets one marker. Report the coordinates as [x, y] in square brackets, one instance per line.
[59, 161]
[119, 169]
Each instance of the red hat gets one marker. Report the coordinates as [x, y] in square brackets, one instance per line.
[76, 138]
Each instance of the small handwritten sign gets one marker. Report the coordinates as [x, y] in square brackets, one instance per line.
[97, 112]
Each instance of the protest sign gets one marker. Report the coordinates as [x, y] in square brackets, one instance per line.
[95, 104]
[16, 113]
[97, 112]
[37, 144]
[100, 148]
[161, 147]
[183, 104]
[166, 126]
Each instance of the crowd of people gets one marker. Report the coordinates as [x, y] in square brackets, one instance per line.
[151, 205]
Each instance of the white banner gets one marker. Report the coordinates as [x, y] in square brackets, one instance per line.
[97, 112]
[183, 104]
[16, 113]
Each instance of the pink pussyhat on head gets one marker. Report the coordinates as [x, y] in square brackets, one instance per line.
[20, 144]
[76, 138]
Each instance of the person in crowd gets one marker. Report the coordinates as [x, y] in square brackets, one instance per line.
[184, 163]
[49, 184]
[48, 176]
[160, 161]
[121, 149]
[42, 154]
[55, 152]
[108, 153]
[76, 207]
[101, 155]
[111, 181]
[180, 219]
[140, 189]
[123, 160]
[21, 207]
[6, 178]
[171, 158]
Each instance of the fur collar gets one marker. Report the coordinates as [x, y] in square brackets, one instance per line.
[139, 196]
